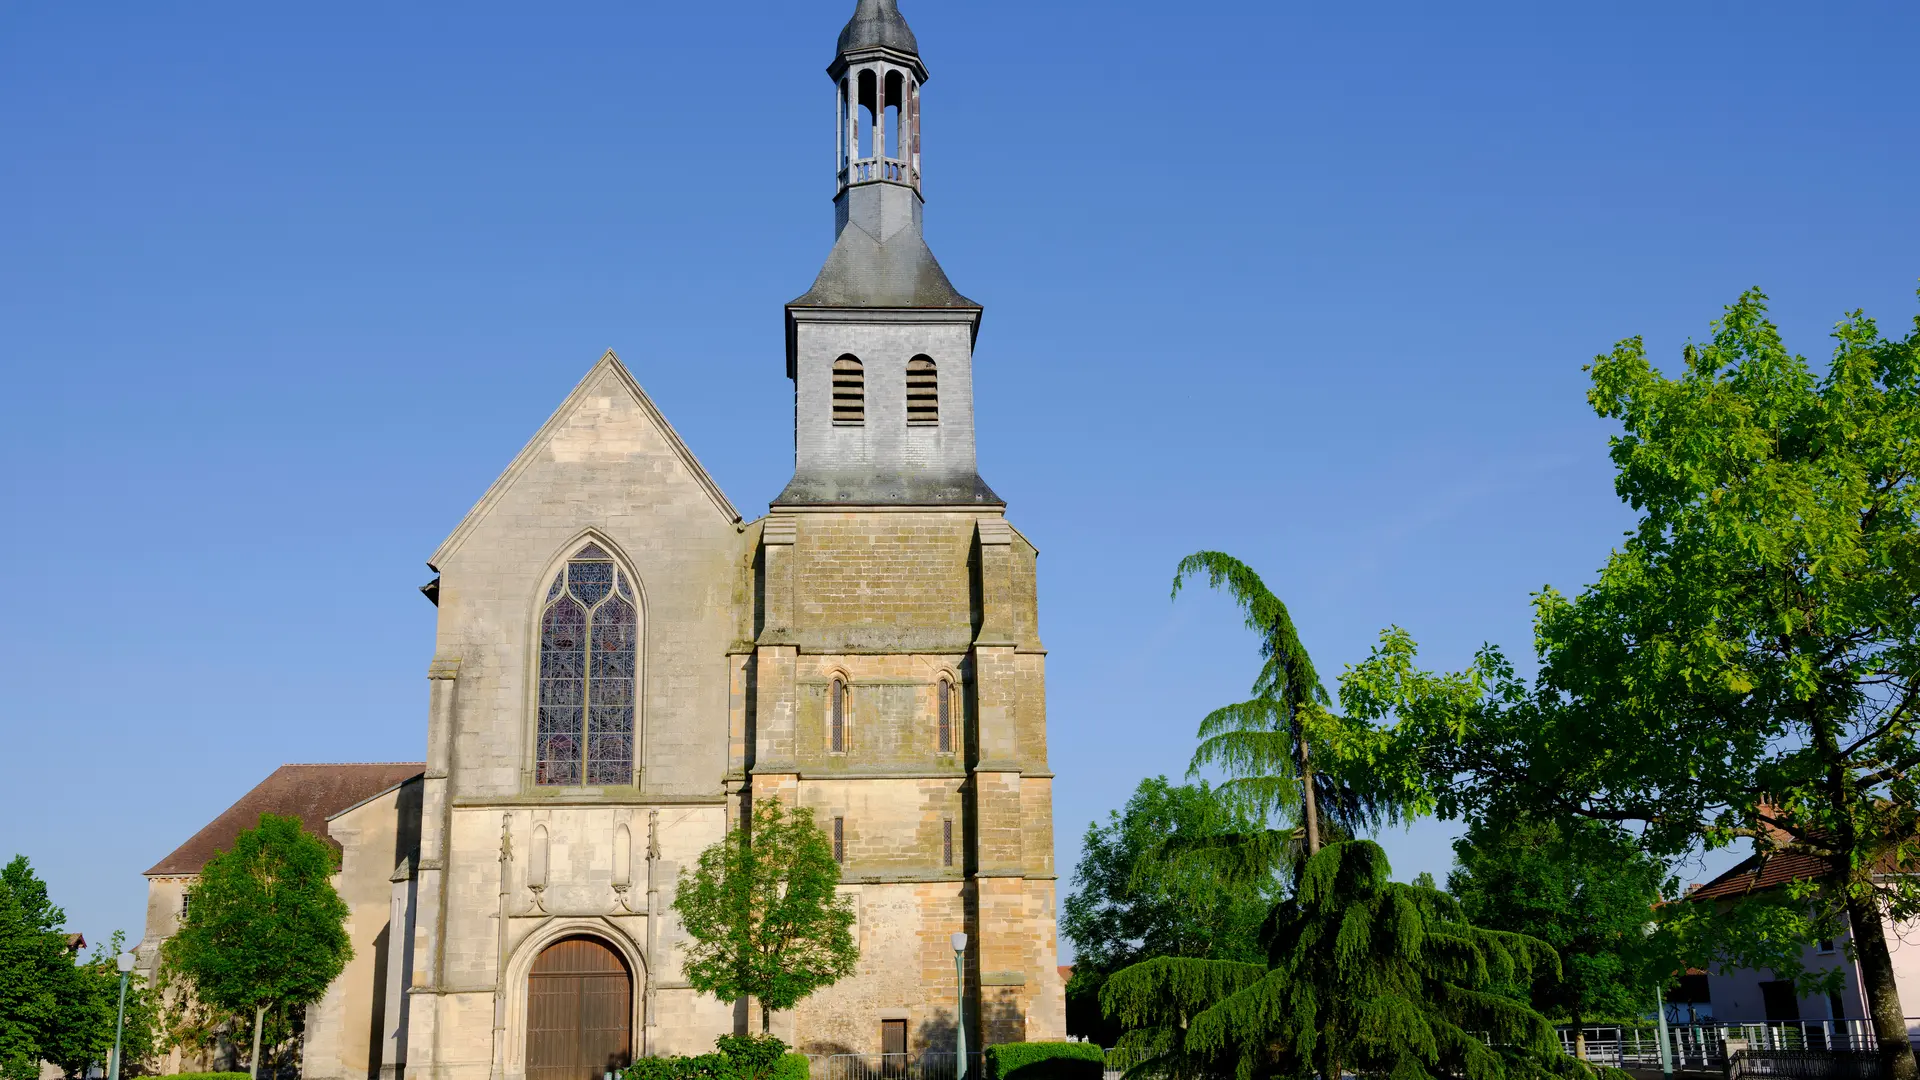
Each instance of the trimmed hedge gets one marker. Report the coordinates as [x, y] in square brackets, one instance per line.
[792, 1067]
[1046, 1061]
[209, 1076]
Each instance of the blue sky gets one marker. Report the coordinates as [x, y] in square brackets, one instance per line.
[281, 291]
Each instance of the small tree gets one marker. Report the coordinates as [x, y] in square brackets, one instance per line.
[35, 972]
[765, 914]
[266, 930]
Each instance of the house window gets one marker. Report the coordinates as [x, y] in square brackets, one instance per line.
[944, 706]
[840, 840]
[837, 725]
[946, 842]
[1826, 945]
[589, 633]
[849, 391]
[923, 391]
[186, 901]
[1780, 1000]
[1836, 1005]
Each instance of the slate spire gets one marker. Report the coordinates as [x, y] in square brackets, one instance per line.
[881, 323]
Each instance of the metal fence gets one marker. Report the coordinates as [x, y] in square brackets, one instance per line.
[927, 1065]
[1710, 1045]
[1804, 1065]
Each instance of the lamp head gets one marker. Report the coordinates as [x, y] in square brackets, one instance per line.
[960, 942]
[126, 962]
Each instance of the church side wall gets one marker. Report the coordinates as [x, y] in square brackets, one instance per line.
[344, 1028]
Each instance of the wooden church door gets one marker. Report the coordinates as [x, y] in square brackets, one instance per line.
[579, 1012]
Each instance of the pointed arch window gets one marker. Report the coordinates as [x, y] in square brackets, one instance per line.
[849, 391]
[837, 721]
[923, 391]
[943, 706]
[589, 637]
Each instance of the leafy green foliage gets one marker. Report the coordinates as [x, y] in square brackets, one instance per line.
[207, 1076]
[1584, 888]
[266, 931]
[1363, 975]
[737, 1057]
[1045, 1061]
[1147, 886]
[1747, 666]
[765, 915]
[51, 1008]
[84, 1036]
[1262, 744]
[35, 971]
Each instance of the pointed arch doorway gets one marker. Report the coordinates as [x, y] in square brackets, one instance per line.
[579, 1011]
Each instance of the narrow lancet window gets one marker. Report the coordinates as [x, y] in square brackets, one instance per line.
[589, 636]
[840, 840]
[946, 842]
[923, 391]
[837, 725]
[944, 706]
[849, 391]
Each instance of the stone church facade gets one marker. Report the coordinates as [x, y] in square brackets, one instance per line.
[623, 666]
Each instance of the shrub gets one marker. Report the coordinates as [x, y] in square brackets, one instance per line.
[1045, 1061]
[740, 1057]
[210, 1076]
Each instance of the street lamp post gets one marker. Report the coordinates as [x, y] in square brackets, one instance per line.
[960, 1005]
[120, 1017]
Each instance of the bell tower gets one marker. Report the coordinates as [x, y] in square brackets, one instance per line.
[895, 683]
[880, 350]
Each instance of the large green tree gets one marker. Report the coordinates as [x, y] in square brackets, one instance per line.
[765, 914]
[266, 932]
[1747, 666]
[36, 972]
[1584, 887]
[1363, 975]
[1138, 894]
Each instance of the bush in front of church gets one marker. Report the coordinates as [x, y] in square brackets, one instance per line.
[738, 1057]
[1046, 1061]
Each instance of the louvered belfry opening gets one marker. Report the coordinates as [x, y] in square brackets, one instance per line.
[923, 391]
[579, 1012]
[849, 391]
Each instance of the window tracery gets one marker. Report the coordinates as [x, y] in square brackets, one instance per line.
[589, 637]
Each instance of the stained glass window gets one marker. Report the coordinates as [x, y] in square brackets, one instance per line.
[589, 639]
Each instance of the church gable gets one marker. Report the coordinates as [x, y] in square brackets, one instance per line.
[608, 421]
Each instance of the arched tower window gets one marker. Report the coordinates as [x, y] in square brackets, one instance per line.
[589, 637]
[923, 391]
[837, 721]
[849, 391]
[943, 706]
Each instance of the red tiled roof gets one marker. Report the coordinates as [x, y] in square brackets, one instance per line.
[1761, 872]
[1066, 972]
[311, 793]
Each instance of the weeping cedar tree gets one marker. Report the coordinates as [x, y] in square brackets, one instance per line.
[266, 931]
[1584, 888]
[1263, 743]
[765, 914]
[1363, 975]
[1747, 664]
[1131, 901]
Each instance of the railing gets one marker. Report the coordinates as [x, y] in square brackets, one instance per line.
[1805, 1065]
[927, 1065]
[870, 169]
[1709, 1045]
